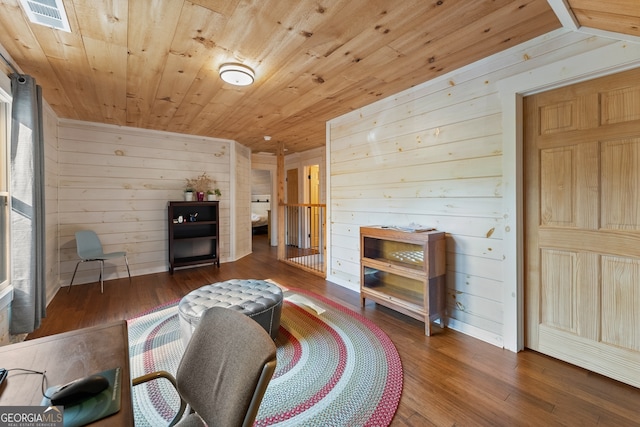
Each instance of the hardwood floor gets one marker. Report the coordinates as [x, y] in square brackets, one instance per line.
[449, 378]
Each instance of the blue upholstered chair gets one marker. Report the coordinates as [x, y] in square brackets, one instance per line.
[90, 249]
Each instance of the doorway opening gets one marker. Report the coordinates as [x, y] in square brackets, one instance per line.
[305, 222]
[262, 206]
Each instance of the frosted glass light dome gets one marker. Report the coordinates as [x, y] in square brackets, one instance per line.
[237, 74]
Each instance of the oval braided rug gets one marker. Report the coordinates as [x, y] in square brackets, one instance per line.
[335, 367]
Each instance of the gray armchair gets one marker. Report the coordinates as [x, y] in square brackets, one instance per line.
[224, 371]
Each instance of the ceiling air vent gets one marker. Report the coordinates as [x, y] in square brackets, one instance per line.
[47, 12]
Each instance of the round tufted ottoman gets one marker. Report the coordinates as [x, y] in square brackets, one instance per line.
[260, 300]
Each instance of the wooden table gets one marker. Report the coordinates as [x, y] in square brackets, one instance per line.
[65, 357]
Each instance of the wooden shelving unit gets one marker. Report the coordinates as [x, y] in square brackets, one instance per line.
[193, 242]
[405, 271]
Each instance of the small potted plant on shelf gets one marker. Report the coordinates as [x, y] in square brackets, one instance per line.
[213, 195]
[200, 185]
[188, 194]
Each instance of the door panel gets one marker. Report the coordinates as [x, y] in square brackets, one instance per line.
[558, 289]
[582, 218]
[620, 199]
[621, 302]
[557, 187]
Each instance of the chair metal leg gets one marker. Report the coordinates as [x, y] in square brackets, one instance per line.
[74, 275]
[101, 279]
[128, 272]
[101, 276]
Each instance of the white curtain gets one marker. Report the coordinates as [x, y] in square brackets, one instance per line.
[27, 206]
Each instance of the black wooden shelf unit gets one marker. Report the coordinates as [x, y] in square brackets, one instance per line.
[193, 234]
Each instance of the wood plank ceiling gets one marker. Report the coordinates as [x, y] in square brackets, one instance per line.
[619, 16]
[154, 64]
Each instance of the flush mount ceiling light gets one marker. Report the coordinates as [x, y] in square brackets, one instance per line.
[236, 74]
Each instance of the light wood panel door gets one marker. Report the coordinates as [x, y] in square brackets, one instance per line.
[582, 208]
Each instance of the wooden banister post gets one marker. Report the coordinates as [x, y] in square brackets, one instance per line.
[281, 174]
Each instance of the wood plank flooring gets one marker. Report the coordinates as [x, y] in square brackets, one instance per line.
[450, 379]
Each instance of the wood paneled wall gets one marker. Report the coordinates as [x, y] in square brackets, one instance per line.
[432, 156]
[117, 181]
[242, 193]
[260, 182]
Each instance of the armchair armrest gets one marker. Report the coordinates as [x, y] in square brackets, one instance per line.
[166, 375]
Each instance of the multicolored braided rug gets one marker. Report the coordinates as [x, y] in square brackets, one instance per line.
[335, 367]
